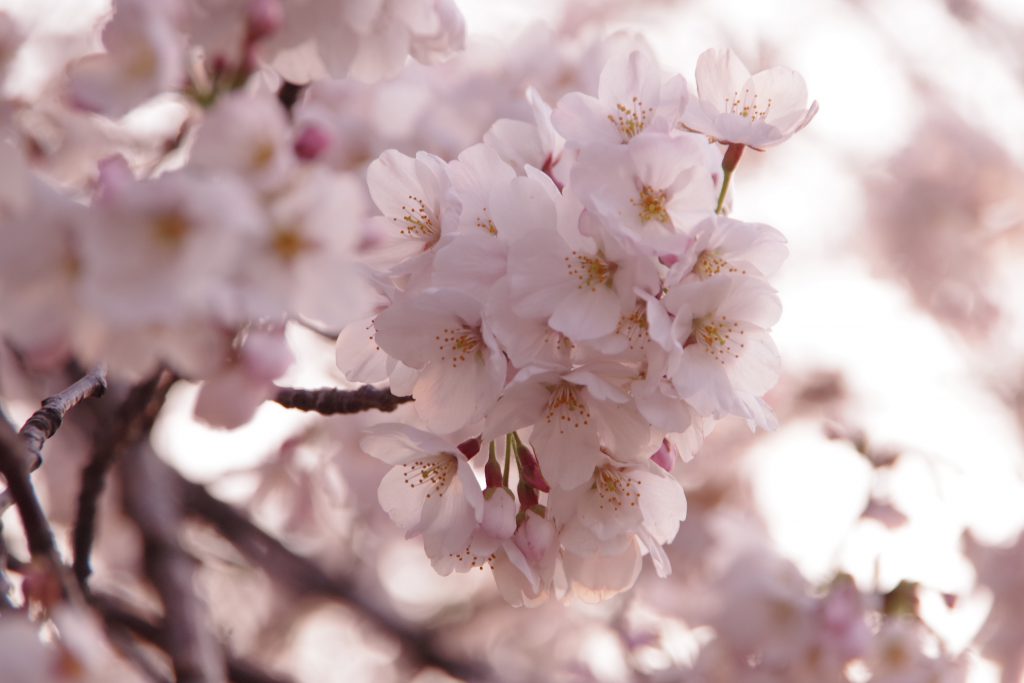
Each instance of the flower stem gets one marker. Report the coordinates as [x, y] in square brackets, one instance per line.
[729, 163]
[508, 459]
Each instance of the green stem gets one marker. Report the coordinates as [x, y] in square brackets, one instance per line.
[721, 195]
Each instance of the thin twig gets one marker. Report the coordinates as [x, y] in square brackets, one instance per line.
[329, 401]
[152, 499]
[45, 422]
[132, 422]
[304, 577]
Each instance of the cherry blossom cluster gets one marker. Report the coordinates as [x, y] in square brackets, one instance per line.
[197, 261]
[148, 45]
[569, 301]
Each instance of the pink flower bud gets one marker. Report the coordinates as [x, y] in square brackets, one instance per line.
[527, 496]
[492, 473]
[264, 17]
[312, 142]
[265, 354]
[499, 513]
[531, 470]
[535, 536]
[664, 457]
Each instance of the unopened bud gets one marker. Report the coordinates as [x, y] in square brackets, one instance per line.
[531, 470]
[492, 474]
[312, 142]
[527, 496]
[664, 457]
[264, 17]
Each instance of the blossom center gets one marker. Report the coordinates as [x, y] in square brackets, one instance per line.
[262, 155]
[591, 271]
[652, 204]
[171, 228]
[288, 243]
[710, 264]
[718, 336]
[634, 328]
[747, 106]
[435, 472]
[456, 344]
[486, 223]
[419, 221]
[565, 407]
[615, 489]
[630, 119]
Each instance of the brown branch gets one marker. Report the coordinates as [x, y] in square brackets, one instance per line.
[117, 614]
[131, 424]
[45, 422]
[14, 459]
[329, 401]
[152, 498]
[304, 577]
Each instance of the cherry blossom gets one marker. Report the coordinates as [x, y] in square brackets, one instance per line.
[631, 98]
[430, 490]
[735, 107]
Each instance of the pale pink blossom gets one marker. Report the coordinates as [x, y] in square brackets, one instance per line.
[734, 107]
[430, 489]
[145, 56]
[728, 359]
[460, 371]
[632, 97]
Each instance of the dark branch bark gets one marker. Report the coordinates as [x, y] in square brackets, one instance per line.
[14, 459]
[131, 424]
[45, 422]
[152, 498]
[340, 401]
[304, 577]
[119, 615]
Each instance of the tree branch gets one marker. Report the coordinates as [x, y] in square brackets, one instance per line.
[152, 498]
[131, 424]
[14, 459]
[304, 577]
[45, 422]
[117, 614]
[329, 401]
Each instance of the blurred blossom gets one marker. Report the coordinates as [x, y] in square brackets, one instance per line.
[541, 221]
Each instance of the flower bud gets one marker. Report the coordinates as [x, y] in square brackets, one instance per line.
[312, 142]
[531, 470]
[263, 17]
